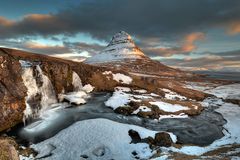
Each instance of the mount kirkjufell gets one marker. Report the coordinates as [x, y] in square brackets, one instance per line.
[123, 54]
[121, 47]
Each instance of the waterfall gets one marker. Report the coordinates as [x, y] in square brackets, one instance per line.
[40, 92]
[47, 91]
[32, 91]
[76, 82]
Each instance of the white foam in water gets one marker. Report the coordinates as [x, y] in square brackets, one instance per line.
[76, 82]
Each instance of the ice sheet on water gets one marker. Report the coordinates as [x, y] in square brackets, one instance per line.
[97, 139]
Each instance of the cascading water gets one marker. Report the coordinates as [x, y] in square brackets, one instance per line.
[47, 91]
[32, 91]
[76, 82]
[40, 92]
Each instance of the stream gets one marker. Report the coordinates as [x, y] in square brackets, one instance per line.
[199, 130]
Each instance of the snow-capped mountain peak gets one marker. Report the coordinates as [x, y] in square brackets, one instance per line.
[121, 37]
[121, 47]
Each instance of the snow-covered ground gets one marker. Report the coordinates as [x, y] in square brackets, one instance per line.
[142, 109]
[78, 97]
[222, 91]
[122, 96]
[167, 107]
[172, 95]
[226, 91]
[229, 111]
[96, 139]
[119, 77]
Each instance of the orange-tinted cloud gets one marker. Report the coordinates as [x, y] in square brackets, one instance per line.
[190, 39]
[28, 18]
[186, 45]
[38, 17]
[46, 49]
[5, 22]
[206, 62]
[30, 24]
[234, 28]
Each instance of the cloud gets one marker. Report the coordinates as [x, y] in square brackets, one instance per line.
[45, 49]
[101, 19]
[187, 45]
[5, 22]
[31, 25]
[189, 40]
[234, 28]
[216, 62]
[77, 51]
[79, 47]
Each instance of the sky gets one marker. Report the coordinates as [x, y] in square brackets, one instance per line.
[187, 34]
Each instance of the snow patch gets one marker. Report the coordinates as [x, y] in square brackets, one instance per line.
[142, 109]
[167, 107]
[31, 157]
[119, 77]
[118, 99]
[74, 97]
[181, 115]
[122, 78]
[123, 89]
[173, 95]
[140, 91]
[88, 88]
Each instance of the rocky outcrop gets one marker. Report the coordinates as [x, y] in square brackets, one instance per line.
[12, 92]
[160, 139]
[163, 139]
[8, 149]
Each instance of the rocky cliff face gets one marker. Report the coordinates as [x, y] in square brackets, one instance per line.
[12, 91]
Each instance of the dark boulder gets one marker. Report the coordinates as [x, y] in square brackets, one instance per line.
[163, 139]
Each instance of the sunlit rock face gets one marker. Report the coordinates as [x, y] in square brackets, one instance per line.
[121, 47]
[12, 92]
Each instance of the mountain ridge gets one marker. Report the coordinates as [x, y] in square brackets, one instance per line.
[123, 54]
[120, 47]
